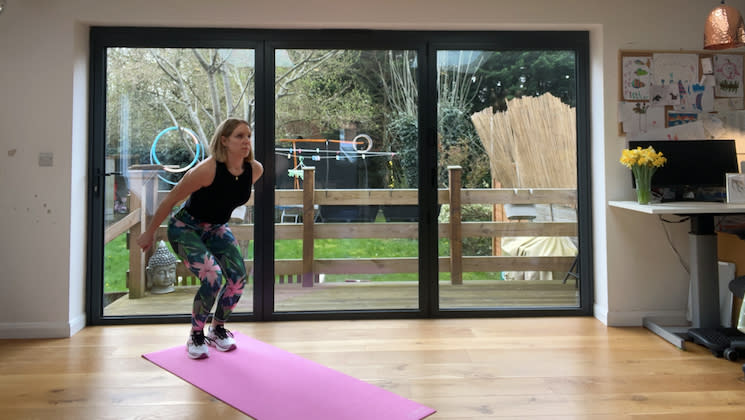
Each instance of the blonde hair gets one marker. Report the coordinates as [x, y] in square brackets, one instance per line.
[226, 128]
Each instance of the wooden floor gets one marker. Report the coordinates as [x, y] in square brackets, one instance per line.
[524, 368]
[374, 295]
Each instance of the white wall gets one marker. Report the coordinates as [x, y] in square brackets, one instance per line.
[43, 95]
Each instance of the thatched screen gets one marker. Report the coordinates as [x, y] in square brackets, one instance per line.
[531, 145]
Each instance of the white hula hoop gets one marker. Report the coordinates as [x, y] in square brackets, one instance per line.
[369, 143]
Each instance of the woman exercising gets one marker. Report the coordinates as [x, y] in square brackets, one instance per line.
[199, 233]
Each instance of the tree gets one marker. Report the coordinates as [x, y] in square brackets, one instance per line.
[338, 99]
[511, 74]
[397, 75]
[229, 86]
[457, 88]
[189, 88]
[458, 84]
[332, 97]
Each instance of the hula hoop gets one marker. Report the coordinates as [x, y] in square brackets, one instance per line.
[154, 158]
[369, 143]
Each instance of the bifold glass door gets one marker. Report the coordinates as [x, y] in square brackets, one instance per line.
[507, 143]
[406, 173]
[346, 232]
[162, 107]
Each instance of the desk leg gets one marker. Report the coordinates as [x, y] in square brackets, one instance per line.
[704, 285]
[675, 334]
[704, 272]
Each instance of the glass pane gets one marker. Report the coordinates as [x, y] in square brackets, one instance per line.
[162, 106]
[346, 157]
[507, 154]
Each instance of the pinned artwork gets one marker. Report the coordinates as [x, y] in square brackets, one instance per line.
[664, 95]
[703, 94]
[639, 117]
[636, 78]
[693, 130]
[678, 118]
[634, 116]
[707, 66]
[677, 95]
[728, 72]
[728, 104]
[679, 71]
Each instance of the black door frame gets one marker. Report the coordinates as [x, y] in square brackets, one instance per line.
[264, 43]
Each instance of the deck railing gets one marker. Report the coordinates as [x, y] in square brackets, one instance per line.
[144, 195]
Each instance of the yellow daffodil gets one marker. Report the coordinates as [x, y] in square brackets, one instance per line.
[643, 164]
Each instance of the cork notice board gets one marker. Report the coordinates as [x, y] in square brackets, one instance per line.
[679, 94]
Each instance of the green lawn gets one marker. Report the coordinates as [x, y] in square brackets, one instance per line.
[116, 258]
[115, 265]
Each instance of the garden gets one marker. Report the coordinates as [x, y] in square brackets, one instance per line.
[326, 94]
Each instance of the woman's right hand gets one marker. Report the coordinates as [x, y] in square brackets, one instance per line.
[145, 241]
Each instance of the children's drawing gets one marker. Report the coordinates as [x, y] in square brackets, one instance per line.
[664, 95]
[694, 130]
[639, 117]
[728, 72]
[631, 118]
[678, 72]
[727, 104]
[655, 118]
[707, 66]
[636, 78]
[679, 118]
[702, 98]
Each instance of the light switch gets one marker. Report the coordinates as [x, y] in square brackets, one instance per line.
[46, 159]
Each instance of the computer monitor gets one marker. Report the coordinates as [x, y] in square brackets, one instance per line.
[695, 169]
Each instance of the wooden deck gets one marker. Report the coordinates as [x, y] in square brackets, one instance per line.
[366, 296]
[562, 223]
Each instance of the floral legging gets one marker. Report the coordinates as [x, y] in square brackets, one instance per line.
[211, 252]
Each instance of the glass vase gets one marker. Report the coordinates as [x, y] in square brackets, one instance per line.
[643, 189]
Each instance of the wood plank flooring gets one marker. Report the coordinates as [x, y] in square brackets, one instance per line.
[519, 368]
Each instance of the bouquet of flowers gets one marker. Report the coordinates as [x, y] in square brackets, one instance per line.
[643, 164]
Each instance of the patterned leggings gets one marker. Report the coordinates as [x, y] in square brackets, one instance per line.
[210, 251]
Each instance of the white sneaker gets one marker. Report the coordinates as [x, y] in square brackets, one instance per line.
[221, 338]
[196, 346]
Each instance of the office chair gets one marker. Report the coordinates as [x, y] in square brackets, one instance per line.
[728, 343]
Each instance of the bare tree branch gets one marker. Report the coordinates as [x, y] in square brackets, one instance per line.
[247, 112]
[183, 138]
[210, 69]
[300, 68]
[201, 99]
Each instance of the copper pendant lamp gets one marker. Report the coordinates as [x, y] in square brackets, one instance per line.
[724, 28]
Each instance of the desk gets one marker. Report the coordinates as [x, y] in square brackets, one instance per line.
[703, 263]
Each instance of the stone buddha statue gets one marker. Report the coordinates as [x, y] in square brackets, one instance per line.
[161, 270]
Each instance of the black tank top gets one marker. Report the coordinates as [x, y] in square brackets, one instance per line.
[215, 202]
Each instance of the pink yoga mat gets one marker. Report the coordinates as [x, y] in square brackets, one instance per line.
[268, 383]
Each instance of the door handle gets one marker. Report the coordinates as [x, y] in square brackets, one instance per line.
[100, 174]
